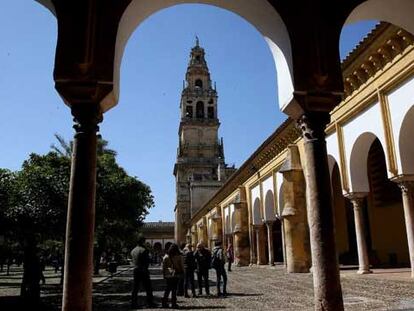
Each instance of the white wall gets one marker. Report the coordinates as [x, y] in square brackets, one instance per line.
[370, 123]
[400, 101]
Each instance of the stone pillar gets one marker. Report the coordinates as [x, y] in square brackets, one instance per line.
[77, 286]
[188, 236]
[294, 219]
[242, 244]
[260, 244]
[194, 239]
[257, 238]
[325, 268]
[357, 200]
[269, 225]
[406, 187]
[217, 228]
[253, 248]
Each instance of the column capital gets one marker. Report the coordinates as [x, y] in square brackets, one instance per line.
[405, 183]
[313, 125]
[86, 117]
[356, 195]
[356, 198]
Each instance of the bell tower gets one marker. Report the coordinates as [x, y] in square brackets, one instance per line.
[200, 169]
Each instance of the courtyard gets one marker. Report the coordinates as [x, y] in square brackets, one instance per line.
[257, 288]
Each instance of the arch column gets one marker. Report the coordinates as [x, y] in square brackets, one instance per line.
[269, 226]
[77, 285]
[242, 246]
[260, 247]
[357, 200]
[295, 223]
[253, 245]
[217, 227]
[325, 268]
[407, 187]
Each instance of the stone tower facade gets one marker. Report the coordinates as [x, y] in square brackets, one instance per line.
[200, 169]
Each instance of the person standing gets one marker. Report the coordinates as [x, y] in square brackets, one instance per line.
[173, 270]
[141, 261]
[203, 259]
[189, 268]
[230, 256]
[218, 262]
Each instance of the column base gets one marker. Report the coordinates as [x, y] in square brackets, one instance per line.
[364, 272]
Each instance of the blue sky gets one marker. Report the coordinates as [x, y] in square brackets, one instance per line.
[143, 126]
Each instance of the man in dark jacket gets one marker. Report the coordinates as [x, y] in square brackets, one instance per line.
[141, 261]
[203, 259]
[218, 261]
[189, 268]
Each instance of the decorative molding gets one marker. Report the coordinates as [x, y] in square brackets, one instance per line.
[384, 43]
[388, 133]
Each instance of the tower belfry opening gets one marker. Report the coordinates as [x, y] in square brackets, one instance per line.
[200, 169]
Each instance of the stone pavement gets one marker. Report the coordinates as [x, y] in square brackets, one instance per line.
[256, 288]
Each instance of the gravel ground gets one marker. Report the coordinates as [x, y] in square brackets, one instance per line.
[256, 288]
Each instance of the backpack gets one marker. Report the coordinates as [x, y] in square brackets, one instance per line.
[217, 260]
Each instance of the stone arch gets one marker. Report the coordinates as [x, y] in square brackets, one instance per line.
[331, 164]
[384, 210]
[260, 14]
[257, 218]
[269, 206]
[344, 220]
[406, 147]
[397, 12]
[358, 162]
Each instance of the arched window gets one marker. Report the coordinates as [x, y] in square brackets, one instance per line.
[210, 112]
[199, 83]
[189, 112]
[200, 110]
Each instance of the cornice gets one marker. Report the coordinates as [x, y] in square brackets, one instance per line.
[378, 49]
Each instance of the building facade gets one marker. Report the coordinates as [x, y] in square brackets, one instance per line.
[263, 208]
[200, 169]
[160, 235]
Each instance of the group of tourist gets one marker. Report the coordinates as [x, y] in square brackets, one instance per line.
[178, 269]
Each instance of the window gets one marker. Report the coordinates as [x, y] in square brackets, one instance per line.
[199, 83]
[210, 112]
[189, 112]
[200, 110]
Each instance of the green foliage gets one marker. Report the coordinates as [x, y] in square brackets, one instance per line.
[7, 194]
[40, 196]
[34, 199]
[122, 203]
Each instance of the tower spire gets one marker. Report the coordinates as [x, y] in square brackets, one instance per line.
[197, 41]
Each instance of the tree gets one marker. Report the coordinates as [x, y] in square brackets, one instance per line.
[7, 189]
[34, 201]
[122, 201]
[37, 211]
